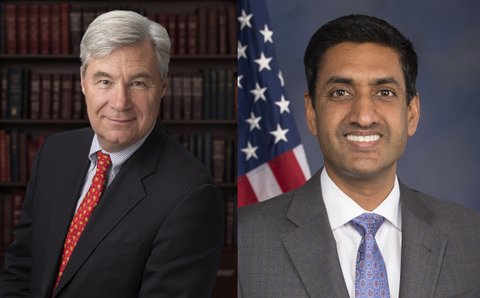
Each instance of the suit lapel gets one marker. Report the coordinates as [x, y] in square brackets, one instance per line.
[422, 247]
[64, 200]
[311, 247]
[116, 202]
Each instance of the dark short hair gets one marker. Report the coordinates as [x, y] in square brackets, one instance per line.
[359, 29]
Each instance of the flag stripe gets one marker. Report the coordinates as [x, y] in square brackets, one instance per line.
[299, 152]
[246, 195]
[287, 171]
[263, 182]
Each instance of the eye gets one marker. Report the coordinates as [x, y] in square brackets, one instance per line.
[139, 84]
[340, 93]
[104, 83]
[385, 93]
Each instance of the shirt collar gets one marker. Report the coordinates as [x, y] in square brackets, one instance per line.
[341, 208]
[119, 157]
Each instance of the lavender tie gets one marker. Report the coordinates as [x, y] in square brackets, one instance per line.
[370, 272]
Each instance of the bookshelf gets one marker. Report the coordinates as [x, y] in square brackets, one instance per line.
[198, 70]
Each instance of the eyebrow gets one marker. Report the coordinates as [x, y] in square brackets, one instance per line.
[376, 82]
[141, 75]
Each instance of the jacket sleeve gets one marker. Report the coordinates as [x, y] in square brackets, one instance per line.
[186, 251]
[15, 277]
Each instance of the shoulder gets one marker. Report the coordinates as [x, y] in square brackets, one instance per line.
[449, 218]
[70, 138]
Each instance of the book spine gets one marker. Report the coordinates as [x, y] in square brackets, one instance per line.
[229, 221]
[55, 30]
[15, 92]
[77, 98]
[177, 93]
[67, 96]
[187, 97]
[22, 29]
[207, 93]
[202, 30]
[65, 28]
[212, 47]
[22, 157]
[55, 97]
[11, 28]
[181, 34]
[222, 31]
[172, 32]
[14, 157]
[35, 96]
[45, 29]
[230, 94]
[4, 95]
[17, 202]
[218, 160]
[192, 34]
[221, 94]
[46, 103]
[232, 30]
[167, 101]
[33, 29]
[75, 30]
[197, 92]
[4, 156]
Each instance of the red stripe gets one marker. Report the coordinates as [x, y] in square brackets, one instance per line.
[287, 171]
[245, 192]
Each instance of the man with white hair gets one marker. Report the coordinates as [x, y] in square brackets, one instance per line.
[119, 209]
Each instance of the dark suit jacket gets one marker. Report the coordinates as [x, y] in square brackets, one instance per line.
[157, 231]
[286, 247]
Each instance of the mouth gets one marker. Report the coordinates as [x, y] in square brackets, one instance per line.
[363, 139]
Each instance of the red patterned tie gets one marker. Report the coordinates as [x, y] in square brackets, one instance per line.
[85, 210]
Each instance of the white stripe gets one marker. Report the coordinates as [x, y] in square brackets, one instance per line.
[302, 161]
[263, 182]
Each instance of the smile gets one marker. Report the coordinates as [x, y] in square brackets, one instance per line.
[363, 139]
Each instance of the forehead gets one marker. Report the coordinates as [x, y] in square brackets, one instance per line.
[360, 61]
[132, 58]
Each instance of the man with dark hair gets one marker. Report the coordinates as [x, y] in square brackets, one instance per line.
[354, 230]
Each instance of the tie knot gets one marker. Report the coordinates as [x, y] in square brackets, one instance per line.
[367, 223]
[103, 161]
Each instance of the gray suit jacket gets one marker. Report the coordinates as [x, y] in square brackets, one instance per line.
[286, 247]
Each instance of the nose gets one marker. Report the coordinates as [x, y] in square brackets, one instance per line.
[363, 111]
[120, 100]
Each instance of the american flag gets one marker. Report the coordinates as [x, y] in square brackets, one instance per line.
[271, 157]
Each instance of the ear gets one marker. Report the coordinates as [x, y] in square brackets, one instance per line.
[310, 114]
[413, 115]
[164, 87]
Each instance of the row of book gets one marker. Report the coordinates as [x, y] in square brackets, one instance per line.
[57, 28]
[10, 212]
[208, 94]
[17, 154]
[217, 153]
[18, 150]
[11, 204]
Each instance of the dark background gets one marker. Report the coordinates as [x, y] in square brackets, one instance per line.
[443, 158]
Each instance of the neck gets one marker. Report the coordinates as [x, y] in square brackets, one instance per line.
[368, 192]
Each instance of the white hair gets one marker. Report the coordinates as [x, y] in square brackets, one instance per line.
[119, 28]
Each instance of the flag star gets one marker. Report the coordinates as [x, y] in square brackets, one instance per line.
[241, 51]
[239, 79]
[244, 20]
[263, 62]
[250, 151]
[280, 134]
[258, 92]
[253, 121]
[283, 104]
[280, 77]
[267, 34]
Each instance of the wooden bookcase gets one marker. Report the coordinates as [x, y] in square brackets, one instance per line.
[211, 60]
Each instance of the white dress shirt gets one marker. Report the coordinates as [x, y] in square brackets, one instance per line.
[117, 158]
[341, 209]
